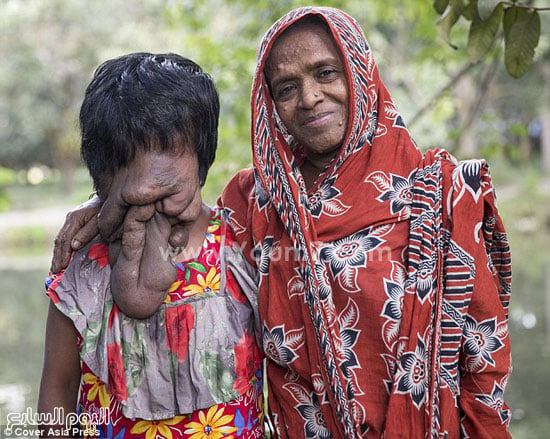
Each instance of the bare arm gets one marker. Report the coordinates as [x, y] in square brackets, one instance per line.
[142, 271]
[61, 370]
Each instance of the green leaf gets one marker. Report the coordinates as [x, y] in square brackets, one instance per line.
[448, 20]
[470, 10]
[187, 275]
[521, 37]
[485, 8]
[510, 17]
[482, 34]
[440, 6]
[196, 266]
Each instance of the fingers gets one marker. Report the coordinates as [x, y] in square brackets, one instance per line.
[64, 243]
[61, 252]
[111, 218]
[85, 234]
[135, 229]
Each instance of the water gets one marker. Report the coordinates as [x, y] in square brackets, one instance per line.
[22, 324]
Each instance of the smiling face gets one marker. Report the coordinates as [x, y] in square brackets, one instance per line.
[309, 88]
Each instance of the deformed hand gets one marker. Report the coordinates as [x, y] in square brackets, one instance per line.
[142, 270]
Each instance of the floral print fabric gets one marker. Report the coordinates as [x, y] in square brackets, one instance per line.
[195, 363]
[384, 288]
[239, 418]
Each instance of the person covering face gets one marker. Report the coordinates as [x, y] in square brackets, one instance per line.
[384, 276]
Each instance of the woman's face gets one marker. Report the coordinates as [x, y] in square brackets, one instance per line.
[309, 87]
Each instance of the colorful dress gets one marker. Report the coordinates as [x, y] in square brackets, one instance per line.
[192, 370]
[383, 288]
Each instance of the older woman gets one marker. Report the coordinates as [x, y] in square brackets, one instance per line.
[384, 276]
[391, 319]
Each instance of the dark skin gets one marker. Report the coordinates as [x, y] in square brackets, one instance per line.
[155, 203]
[153, 217]
[61, 369]
[307, 79]
[309, 87]
[140, 276]
[140, 272]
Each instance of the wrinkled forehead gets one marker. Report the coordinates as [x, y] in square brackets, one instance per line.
[310, 28]
[153, 164]
[347, 36]
[313, 23]
[334, 22]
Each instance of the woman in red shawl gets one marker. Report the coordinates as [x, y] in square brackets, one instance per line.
[384, 276]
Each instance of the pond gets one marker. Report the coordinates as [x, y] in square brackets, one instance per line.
[23, 312]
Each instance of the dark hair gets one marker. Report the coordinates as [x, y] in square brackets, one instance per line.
[147, 101]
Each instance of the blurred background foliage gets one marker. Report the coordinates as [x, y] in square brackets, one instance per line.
[453, 89]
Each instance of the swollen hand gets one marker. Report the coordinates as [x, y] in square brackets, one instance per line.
[114, 209]
[143, 271]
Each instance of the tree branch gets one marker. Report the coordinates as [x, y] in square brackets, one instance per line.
[526, 5]
[465, 69]
[483, 88]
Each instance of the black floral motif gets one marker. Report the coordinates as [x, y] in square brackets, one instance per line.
[495, 401]
[350, 251]
[412, 374]
[281, 346]
[325, 200]
[481, 341]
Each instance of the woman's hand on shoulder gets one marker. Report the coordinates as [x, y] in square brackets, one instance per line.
[79, 228]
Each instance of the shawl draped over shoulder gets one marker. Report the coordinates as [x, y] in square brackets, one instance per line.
[384, 288]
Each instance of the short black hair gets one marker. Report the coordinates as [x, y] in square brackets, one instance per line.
[148, 101]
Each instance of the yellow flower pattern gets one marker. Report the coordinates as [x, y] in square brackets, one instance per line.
[172, 288]
[212, 426]
[209, 285]
[213, 227]
[153, 429]
[98, 388]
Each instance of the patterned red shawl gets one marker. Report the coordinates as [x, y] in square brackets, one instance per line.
[383, 290]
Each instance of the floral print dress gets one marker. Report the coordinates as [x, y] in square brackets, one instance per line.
[192, 370]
